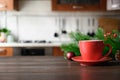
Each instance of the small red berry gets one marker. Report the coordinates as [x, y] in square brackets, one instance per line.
[114, 35]
[108, 33]
[105, 35]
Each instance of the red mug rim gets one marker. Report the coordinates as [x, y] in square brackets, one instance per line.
[91, 40]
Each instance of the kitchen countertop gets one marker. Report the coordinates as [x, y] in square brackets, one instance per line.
[30, 44]
[54, 68]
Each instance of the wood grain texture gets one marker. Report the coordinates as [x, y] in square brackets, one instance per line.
[54, 68]
[109, 24]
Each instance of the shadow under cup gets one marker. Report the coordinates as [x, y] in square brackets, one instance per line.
[93, 49]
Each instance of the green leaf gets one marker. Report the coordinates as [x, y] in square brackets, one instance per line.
[71, 47]
[77, 36]
[99, 34]
[5, 30]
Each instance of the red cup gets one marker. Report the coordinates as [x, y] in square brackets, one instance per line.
[93, 49]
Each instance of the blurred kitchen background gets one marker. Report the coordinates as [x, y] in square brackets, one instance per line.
[35, 21]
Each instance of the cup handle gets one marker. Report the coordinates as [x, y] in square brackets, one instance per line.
[109, 52]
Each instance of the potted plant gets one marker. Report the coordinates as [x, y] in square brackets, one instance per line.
[3, 34]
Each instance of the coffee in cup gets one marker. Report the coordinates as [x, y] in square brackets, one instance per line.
[93, 49]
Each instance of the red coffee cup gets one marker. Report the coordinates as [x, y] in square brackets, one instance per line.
[93, 49]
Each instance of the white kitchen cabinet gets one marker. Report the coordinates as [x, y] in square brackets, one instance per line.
[110, 4]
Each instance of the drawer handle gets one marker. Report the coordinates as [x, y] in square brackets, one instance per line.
[2, 50]
[78, 7]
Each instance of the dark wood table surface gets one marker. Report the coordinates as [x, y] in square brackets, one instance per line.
[54, 68]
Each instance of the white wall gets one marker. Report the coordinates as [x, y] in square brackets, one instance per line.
[36, 21]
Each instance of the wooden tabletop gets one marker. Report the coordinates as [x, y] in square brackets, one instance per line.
[54, 68]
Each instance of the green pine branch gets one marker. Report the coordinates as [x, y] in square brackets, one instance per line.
[77, 36]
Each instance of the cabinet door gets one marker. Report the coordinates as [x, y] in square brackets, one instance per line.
[78, 5]
[6, 51]
[8, 4]
[57, 51]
